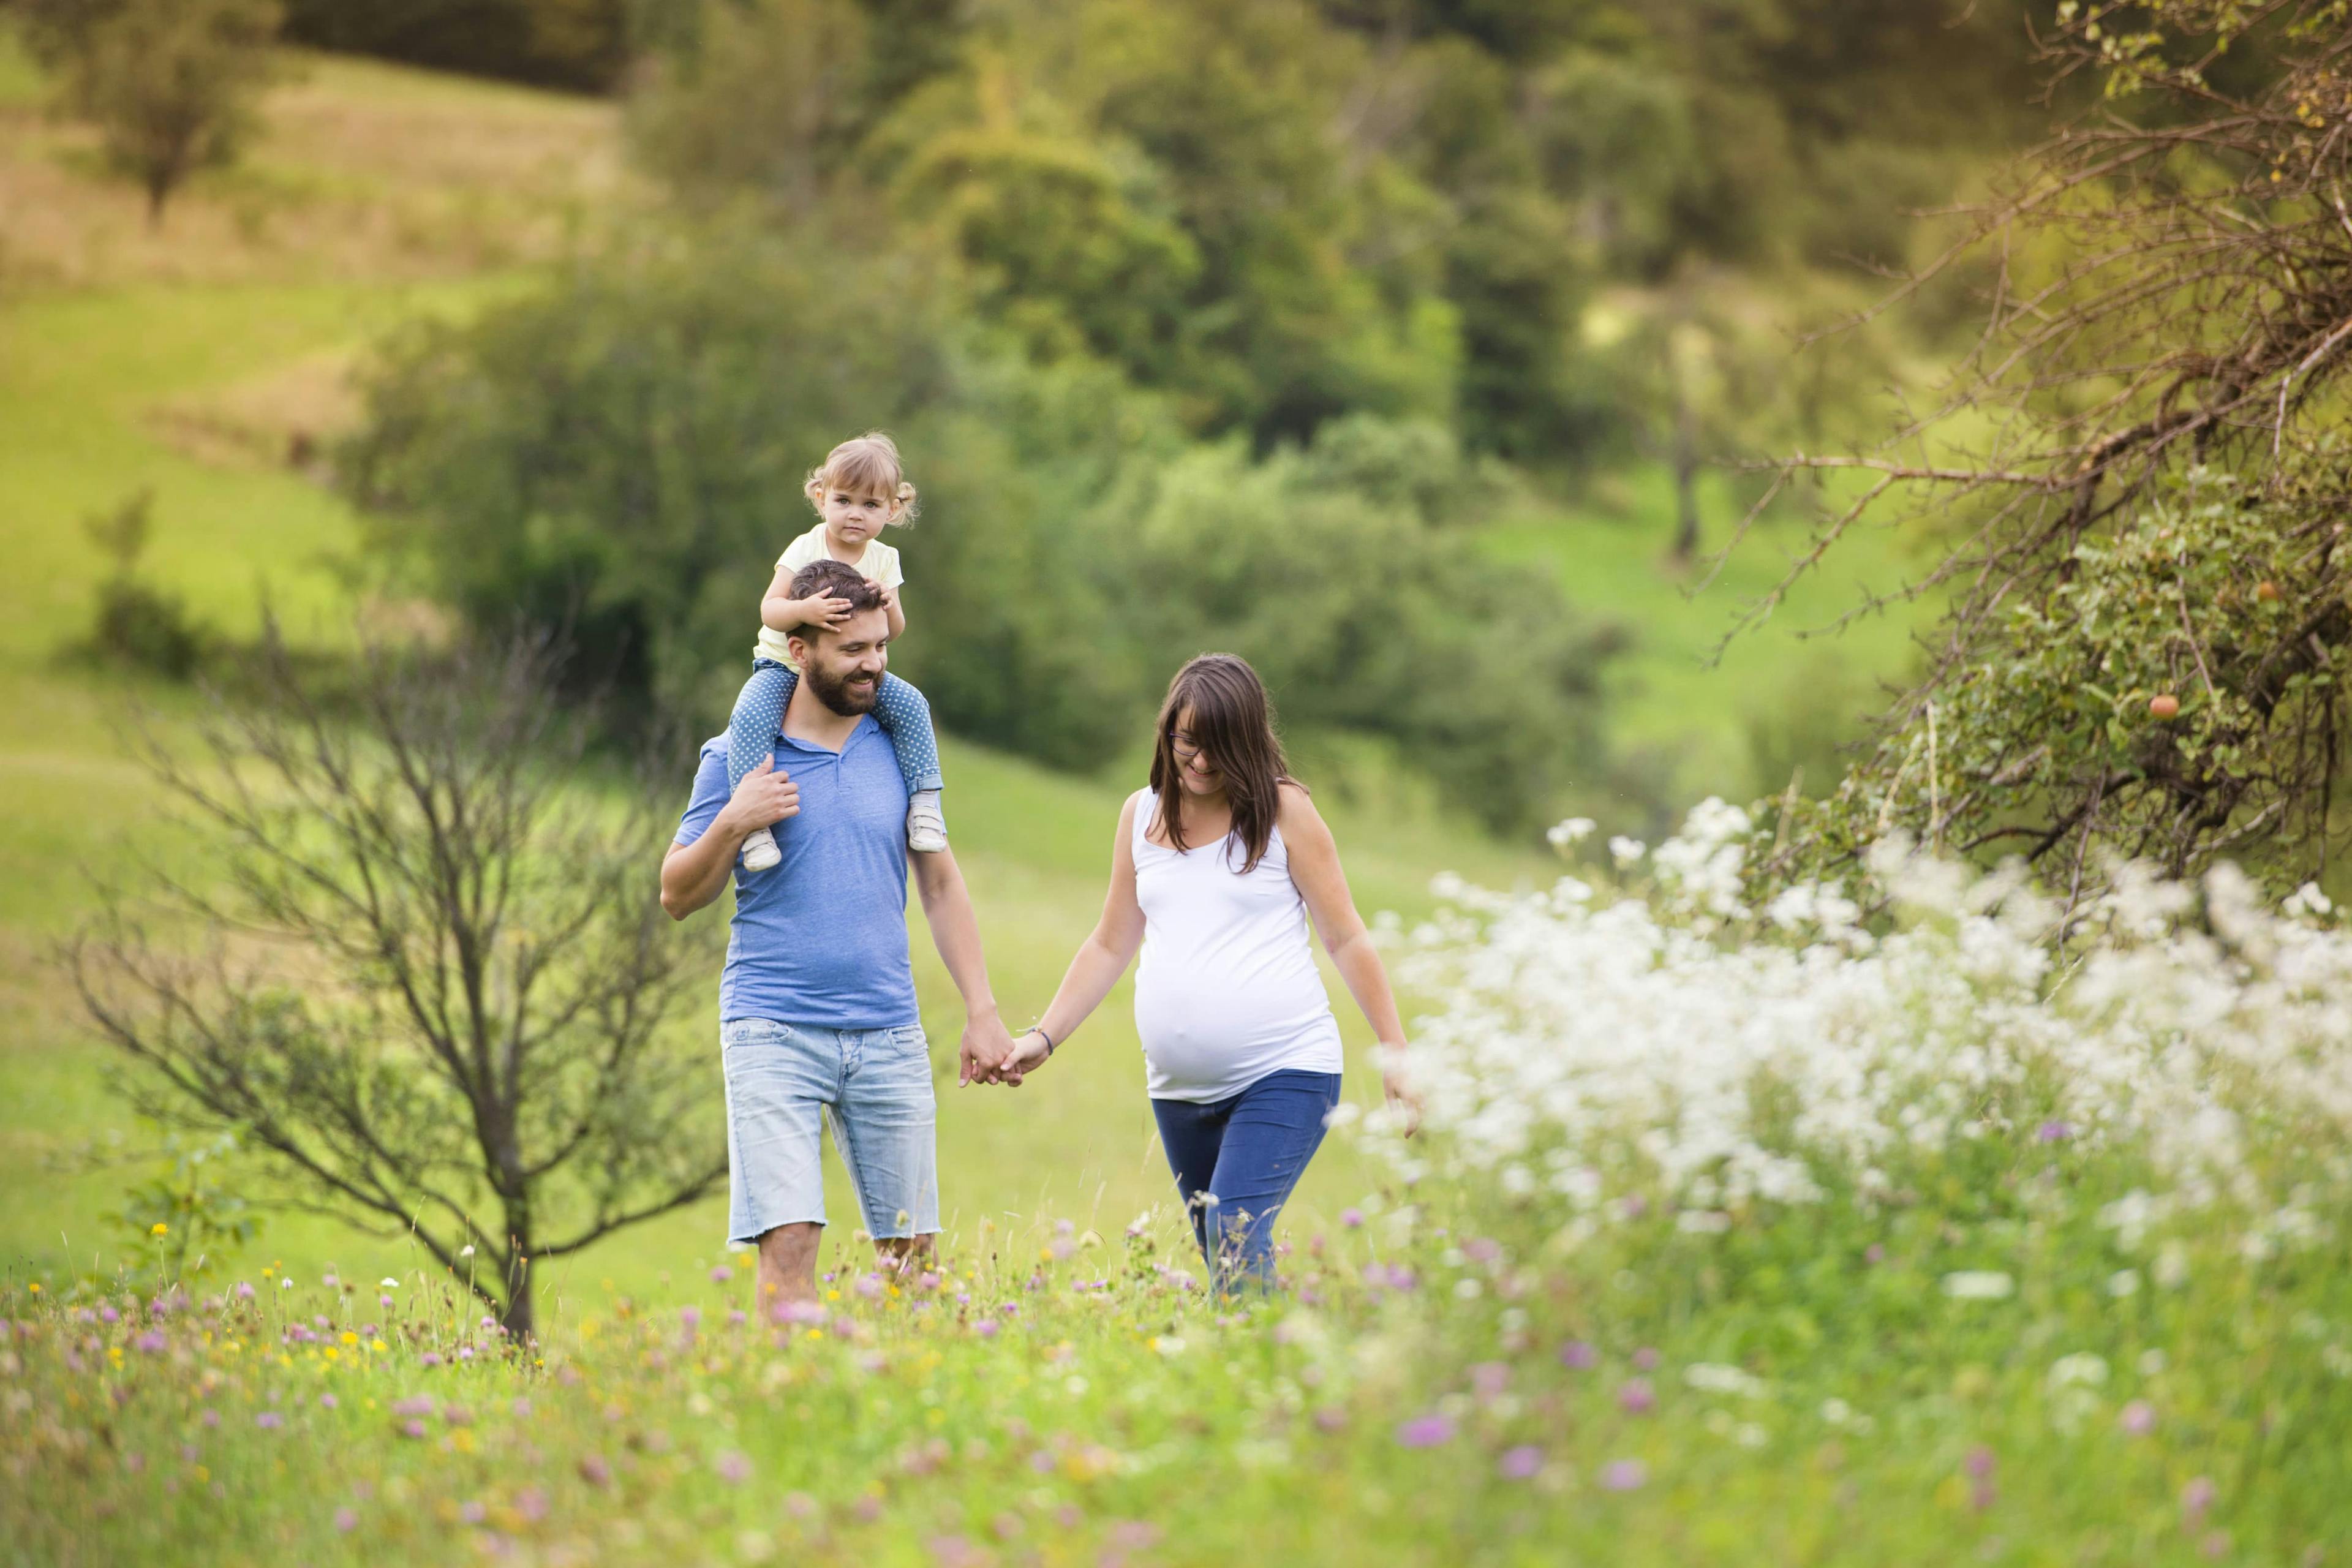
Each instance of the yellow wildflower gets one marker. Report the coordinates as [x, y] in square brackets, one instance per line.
[158, 1228]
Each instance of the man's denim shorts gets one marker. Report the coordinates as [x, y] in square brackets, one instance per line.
[873, 1085]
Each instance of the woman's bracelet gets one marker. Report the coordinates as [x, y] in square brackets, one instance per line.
[1039, 1031]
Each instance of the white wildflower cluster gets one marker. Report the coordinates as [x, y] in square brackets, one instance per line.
[1679, 1041]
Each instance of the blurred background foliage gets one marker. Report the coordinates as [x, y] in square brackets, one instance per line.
[1206, 322]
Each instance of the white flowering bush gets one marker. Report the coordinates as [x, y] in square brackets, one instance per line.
[1595, 1054]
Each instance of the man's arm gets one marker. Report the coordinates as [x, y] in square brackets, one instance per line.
[955, 931]
[692, 873]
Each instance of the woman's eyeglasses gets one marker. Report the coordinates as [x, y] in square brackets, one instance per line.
[1184, 745]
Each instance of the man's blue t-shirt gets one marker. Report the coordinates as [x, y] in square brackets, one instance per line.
[822, 937]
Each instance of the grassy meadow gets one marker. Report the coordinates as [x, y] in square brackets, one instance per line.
[205, 363]
[1965, 1375]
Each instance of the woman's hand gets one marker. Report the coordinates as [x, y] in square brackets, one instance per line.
[1392, 1086]
[1029, 1053]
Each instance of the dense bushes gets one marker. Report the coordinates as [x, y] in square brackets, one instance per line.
[555, 43]
[623, 453]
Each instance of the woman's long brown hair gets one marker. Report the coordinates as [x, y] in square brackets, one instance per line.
[1233, 724]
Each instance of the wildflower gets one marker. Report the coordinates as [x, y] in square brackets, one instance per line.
[1636, 1398]
[2122, 1282]
[531, 1503]
[466, 1250]
[152, 1342]
[158, 1228]
[2053, 1132]
[270, 1420]
[722, 1275]
[326, 1402]
[1578, 1354]
[1714, 1378]
[985, 1328]
[594, 1470]
[412, 1428]
[1624, 1476]
[389, 1283]
[473, 1513]
[690, 1318]
[1978, 1463]
[346, 1520]
[1978, 1285]
[1519, 1463]
[2197, 1497]
[1646, 1358]
[1575, 830]
[1426, 1432]
[2138, 1418]
[243, 1291]
[2082, 1368]
[1351, 1217]
[733, 1468]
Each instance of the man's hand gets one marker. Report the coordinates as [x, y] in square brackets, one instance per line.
[766, 796]
[985, 1046]
[1029, 1054]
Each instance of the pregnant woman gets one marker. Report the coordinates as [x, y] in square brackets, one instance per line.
[1215, 872]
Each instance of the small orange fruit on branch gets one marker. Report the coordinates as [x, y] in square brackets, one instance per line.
[2164, 704]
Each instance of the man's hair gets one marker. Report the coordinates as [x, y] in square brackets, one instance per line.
[831, 579]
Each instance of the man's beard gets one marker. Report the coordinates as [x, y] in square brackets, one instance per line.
[836, 694]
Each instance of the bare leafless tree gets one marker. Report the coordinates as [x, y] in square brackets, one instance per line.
[426, 971]
[2169, 289]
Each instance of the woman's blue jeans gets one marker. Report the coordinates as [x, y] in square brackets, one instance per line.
[1235, 1161]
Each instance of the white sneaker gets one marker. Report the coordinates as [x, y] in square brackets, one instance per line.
[926, 825]
[760, 851]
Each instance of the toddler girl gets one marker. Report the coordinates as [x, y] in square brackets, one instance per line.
[857, 493]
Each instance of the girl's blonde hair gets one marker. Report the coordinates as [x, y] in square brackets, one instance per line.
[867, 466]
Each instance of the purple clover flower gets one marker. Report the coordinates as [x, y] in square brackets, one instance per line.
[1579, 1355]
[1426, 1432]
[1519, 1463]
[1624, 1476]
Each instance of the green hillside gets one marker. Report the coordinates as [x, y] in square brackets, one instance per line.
[205, 365]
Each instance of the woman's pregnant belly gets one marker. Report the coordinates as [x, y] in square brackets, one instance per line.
[1211, 1014]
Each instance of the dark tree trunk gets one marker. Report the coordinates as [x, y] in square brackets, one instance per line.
[1685, 463]
[520, 1318]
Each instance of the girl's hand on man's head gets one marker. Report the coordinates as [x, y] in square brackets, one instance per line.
[827, 611]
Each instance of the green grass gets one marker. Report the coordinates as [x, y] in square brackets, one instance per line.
[1681, 690]
[107, 390]
[1136, 1423]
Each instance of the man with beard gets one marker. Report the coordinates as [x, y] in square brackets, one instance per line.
[816, 1004]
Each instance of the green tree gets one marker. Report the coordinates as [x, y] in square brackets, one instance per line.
[172, 85]
[2148, 627]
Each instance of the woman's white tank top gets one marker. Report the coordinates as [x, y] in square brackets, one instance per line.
[1227, 991]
